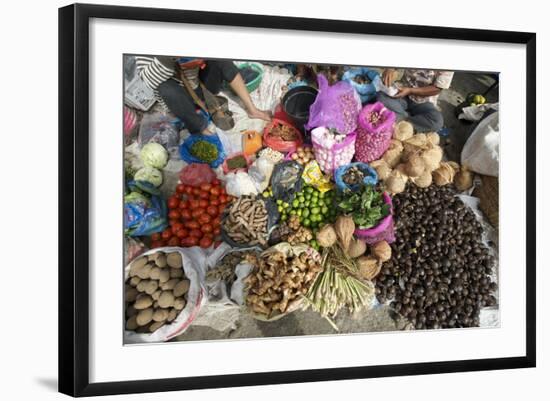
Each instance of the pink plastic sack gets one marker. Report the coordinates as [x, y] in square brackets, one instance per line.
[376, 118]
[339, 154]
[384, 231]
[196, 174]
[130, 123]
[374, 132]
[335, 106]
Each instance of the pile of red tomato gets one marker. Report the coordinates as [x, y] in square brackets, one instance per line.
[194, 214]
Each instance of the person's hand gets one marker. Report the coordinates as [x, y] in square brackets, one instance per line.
[260, 114]
[388, 76]
[404, 91]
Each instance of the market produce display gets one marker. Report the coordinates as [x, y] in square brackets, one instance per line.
[413, 157]
[332, 149]
[439, 274]
[283, 131]
[374, 132]
[225, 268]
[345, 213]
[280, 277]
[281, 136]
[204, 151]
[367, 206]
[246, 221]
[154, 155]
[303, 155]
[149, 174]
[312, 207]
[155, 291]
[194, 216]
[237, 162]
[345, 281]
[353, 176]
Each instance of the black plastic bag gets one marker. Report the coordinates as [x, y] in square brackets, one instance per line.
[286, 180]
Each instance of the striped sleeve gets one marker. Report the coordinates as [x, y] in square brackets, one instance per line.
[152, 71]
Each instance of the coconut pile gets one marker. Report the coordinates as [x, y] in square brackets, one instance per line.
[418, 158]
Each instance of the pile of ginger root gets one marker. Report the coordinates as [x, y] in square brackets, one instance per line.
[279, 278]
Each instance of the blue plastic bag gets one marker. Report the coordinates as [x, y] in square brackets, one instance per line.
[366, 91]
[371, 178]
[185, 149]
[144, 212]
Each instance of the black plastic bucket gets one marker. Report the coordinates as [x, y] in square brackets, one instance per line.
[296, 103]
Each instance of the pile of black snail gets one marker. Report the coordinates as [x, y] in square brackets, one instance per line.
[439, 273]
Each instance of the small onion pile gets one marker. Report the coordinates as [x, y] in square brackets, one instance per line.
[303, 155]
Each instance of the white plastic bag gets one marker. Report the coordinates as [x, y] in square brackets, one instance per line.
[231, 141]
[260, 171]
[196, 298]
[475, 113]
[240, 183]
[489, 316]
[380, 87]
[217, 288]
[223, 309]
[481, 151]
[242, 271]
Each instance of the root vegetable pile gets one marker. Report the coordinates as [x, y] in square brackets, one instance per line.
[279, 279]
[155, 291]
[292, 232]
[194, 216]
[353, 176]
[246, 221]
[284, 132]
[225, 269]
[438, 274]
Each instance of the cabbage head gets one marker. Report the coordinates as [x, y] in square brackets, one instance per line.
[154, 155]
[149, 174]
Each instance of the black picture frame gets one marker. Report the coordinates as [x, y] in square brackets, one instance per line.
[74, 200]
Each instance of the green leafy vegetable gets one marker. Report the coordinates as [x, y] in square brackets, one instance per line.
[367, 206]
[149, 174]
[205, 151]
[154, 155]
[237, 162]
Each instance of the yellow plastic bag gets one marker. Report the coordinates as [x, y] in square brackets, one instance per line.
[313, 176]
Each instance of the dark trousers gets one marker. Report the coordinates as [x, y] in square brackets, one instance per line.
[423, 116]
[180, 102]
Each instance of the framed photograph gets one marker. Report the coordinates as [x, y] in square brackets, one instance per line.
[251, 199]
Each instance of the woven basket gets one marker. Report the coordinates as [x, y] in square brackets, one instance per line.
[487, 193]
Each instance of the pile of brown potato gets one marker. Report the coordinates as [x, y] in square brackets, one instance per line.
[155, 291]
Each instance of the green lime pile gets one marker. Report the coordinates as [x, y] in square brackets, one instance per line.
[314, 208]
